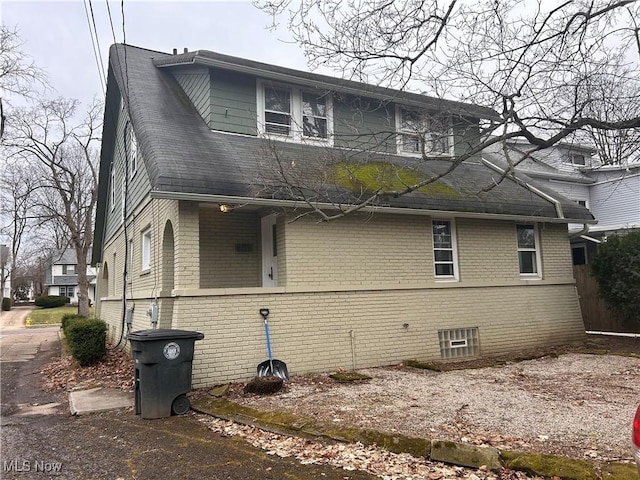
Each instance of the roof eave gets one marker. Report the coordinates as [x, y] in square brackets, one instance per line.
[276, 203]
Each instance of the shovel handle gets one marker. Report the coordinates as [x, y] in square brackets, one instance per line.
[266, 332]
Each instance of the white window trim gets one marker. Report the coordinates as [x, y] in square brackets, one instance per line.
[112, 186]
[122, 198]
[145, 249]
[133, 153]
[454, 247]
[296, 130]
[569, 158]
[536, 237]
[400, 133]
[585, 200]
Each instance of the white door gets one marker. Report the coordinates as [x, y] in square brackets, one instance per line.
[269, 252]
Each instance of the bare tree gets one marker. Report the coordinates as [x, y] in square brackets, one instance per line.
[18, 73]
[533, 63]
[62, 154]
[616, 101]
[17, 188]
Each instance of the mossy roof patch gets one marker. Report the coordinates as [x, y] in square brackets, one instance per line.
[372, 177]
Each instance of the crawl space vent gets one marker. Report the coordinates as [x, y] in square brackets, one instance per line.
[459, 342]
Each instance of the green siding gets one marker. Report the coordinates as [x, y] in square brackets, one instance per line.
[233, 102]
[139, 186]
[196, 84]
[466, 133]
[363, 124]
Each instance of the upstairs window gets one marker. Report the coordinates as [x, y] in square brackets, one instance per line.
[314, 116]
[528, 251]
[112, 187]
[423, 133]
[133, 153]
[294, 113]
[277, 110]
[577, 159]
[444, 250]
[68, 269]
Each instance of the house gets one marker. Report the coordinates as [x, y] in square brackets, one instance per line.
[197, 228]
[61, 276]
[610, 192]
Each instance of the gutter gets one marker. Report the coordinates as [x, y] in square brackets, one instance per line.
[275, 203]
[537, 191]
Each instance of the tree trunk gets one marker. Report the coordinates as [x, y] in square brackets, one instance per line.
[83, 282]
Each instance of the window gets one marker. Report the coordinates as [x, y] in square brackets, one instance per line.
[444, 250]
[314, 116]
[66, 291]
[123, 203]
[528, 255]
[133, 153]
[582, 202]
[579, 254]
[277, 110]
[112, 186]
[576, 158]
[146, 249]
[293, 112]
[68, 269]
[420, 132]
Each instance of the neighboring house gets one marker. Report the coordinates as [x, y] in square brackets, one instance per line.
[187, 222]
[61, 277]
[610, 192]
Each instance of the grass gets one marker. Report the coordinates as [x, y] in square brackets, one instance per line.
[42, 317]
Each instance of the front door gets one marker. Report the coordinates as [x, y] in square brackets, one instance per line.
[269, 252]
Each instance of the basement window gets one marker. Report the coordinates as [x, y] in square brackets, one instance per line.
[459, 342]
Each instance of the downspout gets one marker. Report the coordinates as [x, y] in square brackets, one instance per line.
[583, 231]
[556, 203]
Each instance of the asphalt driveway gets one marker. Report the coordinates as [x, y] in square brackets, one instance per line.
[40, 439]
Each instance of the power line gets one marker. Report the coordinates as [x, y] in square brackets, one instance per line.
[96, 46]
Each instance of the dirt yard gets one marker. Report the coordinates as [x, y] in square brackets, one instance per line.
[578, 404]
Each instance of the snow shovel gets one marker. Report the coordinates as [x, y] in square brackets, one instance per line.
[271, 367]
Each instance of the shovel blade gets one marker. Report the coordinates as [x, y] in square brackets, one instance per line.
[274, 367]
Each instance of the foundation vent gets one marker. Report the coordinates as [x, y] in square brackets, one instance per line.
[459, 342]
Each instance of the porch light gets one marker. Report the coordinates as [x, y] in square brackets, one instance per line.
[225, 208]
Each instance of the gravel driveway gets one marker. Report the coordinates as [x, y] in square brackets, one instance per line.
[579, 405]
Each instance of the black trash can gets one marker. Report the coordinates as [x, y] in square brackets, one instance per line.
[162, 361]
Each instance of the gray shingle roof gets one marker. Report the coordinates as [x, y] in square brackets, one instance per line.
[183, 155]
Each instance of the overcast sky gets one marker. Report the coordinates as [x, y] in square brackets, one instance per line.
[56, 35]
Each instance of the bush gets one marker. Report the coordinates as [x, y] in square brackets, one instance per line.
[67, 318]
[6, 304]
[51, 301]
[86, 339]
[616, 268]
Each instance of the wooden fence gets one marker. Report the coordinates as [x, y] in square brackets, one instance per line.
[595, 314]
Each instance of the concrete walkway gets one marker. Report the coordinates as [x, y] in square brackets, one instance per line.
[21, 344]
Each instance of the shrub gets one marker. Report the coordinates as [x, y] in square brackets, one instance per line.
[51, 301]
[86, 339]
[67, 318]
[616, 268]
[6, 304]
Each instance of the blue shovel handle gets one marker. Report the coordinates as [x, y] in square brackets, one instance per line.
[266, 332]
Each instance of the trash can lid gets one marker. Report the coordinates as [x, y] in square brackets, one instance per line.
[164, 334]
